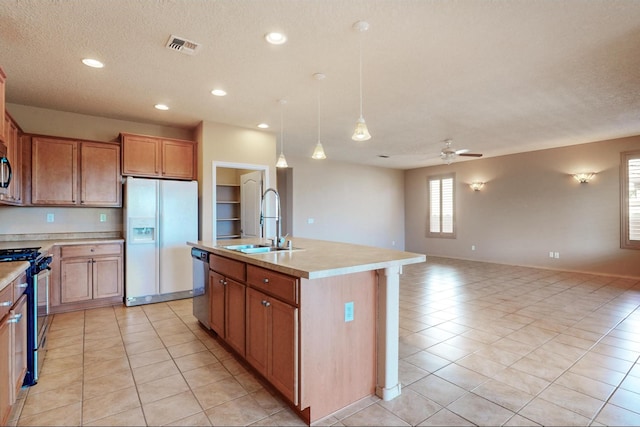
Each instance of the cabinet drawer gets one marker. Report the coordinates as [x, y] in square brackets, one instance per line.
[228, 267]
[6, 300]
[276, 284]
[90, 250]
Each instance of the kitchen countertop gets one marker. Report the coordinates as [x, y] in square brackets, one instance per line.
[10, 270]
[312, 259]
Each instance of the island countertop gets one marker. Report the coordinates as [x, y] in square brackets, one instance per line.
[313, 259]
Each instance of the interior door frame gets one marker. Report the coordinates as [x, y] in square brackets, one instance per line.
[230, 165]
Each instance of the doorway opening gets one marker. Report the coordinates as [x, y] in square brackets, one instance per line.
[236, 211]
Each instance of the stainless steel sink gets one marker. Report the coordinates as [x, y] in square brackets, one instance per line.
[255, 249]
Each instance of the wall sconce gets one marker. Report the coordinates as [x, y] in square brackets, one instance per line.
[476, 186]
[584, 178]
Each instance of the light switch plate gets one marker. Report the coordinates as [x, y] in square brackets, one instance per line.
[50, 217]
[103, 217]
[348, 311]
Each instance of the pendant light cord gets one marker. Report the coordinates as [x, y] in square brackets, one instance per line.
[281, 128]
[360, 42]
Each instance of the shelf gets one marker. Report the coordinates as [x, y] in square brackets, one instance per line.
[228, 236]
[228, 219]
[227, 185]
[228, 201]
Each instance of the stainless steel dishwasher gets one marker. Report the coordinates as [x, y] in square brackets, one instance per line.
[201, 305]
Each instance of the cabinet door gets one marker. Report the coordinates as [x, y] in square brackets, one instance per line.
[3, 78]
[75, 280]
[140, 156]
[100, 174]
[5, 370]
[19, 341]
[283, 345]
[217, 284]
[14, 154]
[54, 171]
[178, 159]
[257, 330]
[234, 319]
[107, 277]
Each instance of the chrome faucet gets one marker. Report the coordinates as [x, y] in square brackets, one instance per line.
[278, 241]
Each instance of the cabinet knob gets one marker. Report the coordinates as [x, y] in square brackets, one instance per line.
[265, 280]
[266, 303]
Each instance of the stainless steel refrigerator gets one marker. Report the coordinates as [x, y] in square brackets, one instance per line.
[160, 216]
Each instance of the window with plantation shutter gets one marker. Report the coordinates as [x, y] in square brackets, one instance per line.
[630, 200]
[441, 206]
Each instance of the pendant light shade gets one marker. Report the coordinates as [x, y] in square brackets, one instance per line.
[282, 161]
[318, 152]
[361, 133]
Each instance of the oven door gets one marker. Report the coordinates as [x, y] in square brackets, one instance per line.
[42, 282]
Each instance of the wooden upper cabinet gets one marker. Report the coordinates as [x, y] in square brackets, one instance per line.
[54, 171]
[75, 173]
[140, 156]
[12, 140]
[148, 156]
[100, 174]
[3, 78]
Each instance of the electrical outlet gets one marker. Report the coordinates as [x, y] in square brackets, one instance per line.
[556, 255]
[551, 254]
[103, 217]
[310, 220]
[50, 217]
[348, 311]
[473, 247]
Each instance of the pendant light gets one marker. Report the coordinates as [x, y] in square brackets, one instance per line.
[361, 133]
[318, 152]
[282, 161]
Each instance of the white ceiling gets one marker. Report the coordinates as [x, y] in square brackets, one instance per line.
[497, 77]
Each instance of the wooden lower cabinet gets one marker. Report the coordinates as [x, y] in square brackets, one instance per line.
[5, 370]
[13, 351]
[235, 315]
[272, 344]
[227, 310]
[89, 276]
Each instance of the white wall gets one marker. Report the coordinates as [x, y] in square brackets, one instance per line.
[348, 203]
[223, 144]
[530, 206]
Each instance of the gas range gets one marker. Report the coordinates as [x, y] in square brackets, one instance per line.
[20, 254]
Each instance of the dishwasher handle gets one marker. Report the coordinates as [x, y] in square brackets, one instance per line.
[200, 255]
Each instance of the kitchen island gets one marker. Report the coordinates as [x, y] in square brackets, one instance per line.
[319, 321]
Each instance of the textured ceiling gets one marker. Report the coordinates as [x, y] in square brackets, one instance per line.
[497, 77]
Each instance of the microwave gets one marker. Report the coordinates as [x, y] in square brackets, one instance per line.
[5, 170]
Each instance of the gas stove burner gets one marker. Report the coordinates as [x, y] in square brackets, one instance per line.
[19, 254]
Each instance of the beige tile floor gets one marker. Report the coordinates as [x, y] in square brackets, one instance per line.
[481, 344]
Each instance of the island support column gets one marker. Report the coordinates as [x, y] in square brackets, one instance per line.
[388, 384]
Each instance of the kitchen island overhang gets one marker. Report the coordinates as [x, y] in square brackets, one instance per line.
[353, 267]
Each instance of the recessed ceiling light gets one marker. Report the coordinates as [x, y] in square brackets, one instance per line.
[218, 92]
[161, 107]
[275, 38]
[263, 126]
[93, 63]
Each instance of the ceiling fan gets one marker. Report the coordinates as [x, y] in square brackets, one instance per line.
[448, 153]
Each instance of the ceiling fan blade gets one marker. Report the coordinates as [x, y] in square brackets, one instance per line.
[470, 154]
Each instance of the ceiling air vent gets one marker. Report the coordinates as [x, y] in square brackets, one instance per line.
[183, 45]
